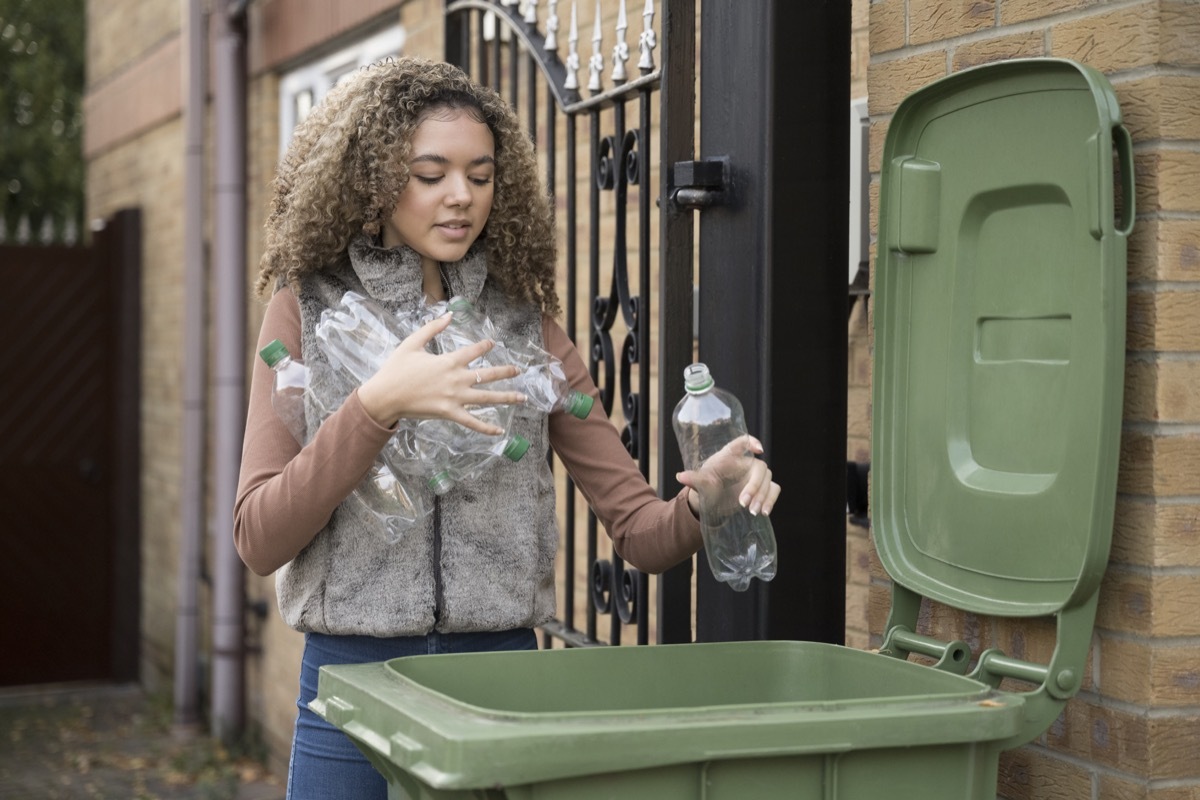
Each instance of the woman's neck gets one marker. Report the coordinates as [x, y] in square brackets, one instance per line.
[431, 280]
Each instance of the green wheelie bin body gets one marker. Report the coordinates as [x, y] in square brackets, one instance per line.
[999, 356]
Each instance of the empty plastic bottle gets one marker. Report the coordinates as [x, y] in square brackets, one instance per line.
[740, 546]
[388, 501]
[290, 385]
[541, 376]
[452, 454]
[358, 335]
[381, 498]
[543, 381]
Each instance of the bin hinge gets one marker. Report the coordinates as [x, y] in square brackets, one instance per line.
[994, 667]
[952, 656]
[700, 184]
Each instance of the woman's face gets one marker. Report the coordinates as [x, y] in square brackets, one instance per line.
[448, 198]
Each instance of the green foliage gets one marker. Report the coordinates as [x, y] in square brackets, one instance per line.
[41, 109]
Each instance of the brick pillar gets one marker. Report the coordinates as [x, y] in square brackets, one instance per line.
[1132, 732]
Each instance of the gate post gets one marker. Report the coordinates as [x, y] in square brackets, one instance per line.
[774, 93]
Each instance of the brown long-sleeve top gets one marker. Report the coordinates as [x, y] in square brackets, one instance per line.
[286, 494]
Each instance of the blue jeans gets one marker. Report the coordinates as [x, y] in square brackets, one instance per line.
[325, 763]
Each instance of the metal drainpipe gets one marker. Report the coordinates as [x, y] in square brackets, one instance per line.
[228, 314]
[187, 625]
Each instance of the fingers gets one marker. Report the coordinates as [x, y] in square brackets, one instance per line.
[469, 420]
[475, 350]
[486, 375]
[760, 492]
[425, 334]
[486, 397]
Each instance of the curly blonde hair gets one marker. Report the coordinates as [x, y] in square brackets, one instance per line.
[347, 164]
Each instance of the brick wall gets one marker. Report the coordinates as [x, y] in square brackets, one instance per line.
[145, 172]
[1132, 730]
[121, 32]
[148, 173]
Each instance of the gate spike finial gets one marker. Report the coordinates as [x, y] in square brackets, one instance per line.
[551, 44]
[572, 82]
[596, 62]
[531, 12]
[621, 49]
[647, 41]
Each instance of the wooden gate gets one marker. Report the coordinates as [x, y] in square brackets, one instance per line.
[69, 458]
[611, 104]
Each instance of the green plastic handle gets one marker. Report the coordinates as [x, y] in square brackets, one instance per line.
[1123, 143]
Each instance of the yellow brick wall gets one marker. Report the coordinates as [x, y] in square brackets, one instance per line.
[148, 173]
[1131, 732]
[119, 32]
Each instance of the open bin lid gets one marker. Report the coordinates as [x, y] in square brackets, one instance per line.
[1000, 337]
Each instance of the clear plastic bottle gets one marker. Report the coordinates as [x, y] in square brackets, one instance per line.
[740, 546]
[388, 502]
[541, 377]
[543, 380]
[290, 385]
[358, 336]
[381, 498]
[452, 454]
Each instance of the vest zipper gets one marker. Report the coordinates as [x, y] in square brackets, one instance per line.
[437, 561]
[438, 591]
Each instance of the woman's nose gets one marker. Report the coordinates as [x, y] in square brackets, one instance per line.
[458, 192]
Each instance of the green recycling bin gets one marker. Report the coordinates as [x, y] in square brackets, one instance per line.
[999, 356]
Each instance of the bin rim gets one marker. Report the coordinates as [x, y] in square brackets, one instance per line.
[966, 689]
[449, 744]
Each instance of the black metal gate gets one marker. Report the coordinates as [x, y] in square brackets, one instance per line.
[771, 303]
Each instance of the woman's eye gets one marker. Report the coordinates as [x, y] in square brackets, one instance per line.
[481, 181]
[428, 180]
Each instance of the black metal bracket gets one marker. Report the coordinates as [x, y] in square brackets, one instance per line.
[700, 184]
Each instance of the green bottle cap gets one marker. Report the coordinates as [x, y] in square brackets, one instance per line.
[517, 446]
[273, 353]
[578, 404]
[441, 482]
[459, 303]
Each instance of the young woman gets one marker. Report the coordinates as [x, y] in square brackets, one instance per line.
[411, 184]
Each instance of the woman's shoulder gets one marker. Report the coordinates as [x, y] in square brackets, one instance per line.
[283, 303]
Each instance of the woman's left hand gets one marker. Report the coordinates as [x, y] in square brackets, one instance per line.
[731, 466]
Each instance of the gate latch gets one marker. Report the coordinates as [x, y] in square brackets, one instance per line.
[700, 184]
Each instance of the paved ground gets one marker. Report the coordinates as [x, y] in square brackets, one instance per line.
[116, 743]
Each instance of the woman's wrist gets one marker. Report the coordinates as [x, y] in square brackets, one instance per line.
[372, 404]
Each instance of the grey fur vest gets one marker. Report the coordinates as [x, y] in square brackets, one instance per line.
[485, 559]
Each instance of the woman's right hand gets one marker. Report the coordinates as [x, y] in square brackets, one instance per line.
[416, 384]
